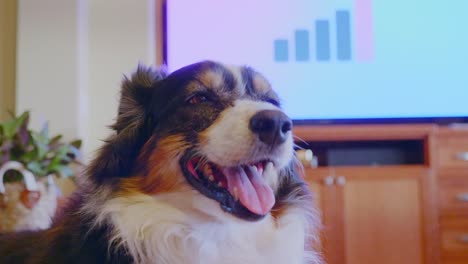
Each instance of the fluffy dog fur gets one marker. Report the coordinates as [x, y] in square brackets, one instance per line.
[150, 195]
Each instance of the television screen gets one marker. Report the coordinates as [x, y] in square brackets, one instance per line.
[338, 59]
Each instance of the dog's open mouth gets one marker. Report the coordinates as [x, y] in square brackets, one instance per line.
[240, 190]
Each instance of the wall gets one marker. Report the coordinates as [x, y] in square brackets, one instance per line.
[47, 81]
[7, 57]
[71, 58]
[120, 36]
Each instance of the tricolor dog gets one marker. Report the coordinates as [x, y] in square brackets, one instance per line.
[200, 169]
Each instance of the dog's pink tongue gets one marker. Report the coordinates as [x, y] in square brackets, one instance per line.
[251, 189]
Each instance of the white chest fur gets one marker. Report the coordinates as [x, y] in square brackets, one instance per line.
[165, 229]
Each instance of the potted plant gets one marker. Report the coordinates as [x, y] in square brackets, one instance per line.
[29, 161]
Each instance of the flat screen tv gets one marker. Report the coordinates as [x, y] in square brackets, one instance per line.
[338, 61]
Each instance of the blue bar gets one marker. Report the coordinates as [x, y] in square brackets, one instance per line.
[322, 41]
[281, 50]
[301, 38]
[343, 35]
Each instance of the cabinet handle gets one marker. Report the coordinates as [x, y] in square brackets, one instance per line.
[462, 197]
[341, 180]
[463, 239]
[463, 156]
[328, 181]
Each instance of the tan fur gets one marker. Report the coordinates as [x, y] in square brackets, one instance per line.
[211, 79]
[164, 173]
[261, 84]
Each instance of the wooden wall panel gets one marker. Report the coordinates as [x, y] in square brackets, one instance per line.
[7, 57]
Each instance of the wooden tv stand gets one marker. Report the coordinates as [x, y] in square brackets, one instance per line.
[395, 194]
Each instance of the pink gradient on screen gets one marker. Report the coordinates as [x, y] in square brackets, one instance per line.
[364, 30]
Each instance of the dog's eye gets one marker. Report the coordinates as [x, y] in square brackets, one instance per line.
[197, 98]
[273, 102]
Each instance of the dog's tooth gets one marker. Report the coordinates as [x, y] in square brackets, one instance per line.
[269, 166]
[270, 175]
[207, 169]
[235, 194]
[257, 169]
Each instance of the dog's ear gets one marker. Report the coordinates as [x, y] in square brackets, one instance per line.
[135, 97]
[133, 126]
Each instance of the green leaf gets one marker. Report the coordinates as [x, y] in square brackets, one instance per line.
[64, 171]
[29, 156]
[9, 128]
[63, 150]
[76, 143]
[53, 164]
[45, 130]
[55, 142]
[41, 143]
[40, 153]
[36, 168]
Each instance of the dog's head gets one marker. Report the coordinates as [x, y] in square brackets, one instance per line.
[215, 129]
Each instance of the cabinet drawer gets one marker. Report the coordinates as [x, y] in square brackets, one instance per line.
[455, 238]
[453, 196]
[453, 152]
[455, 261]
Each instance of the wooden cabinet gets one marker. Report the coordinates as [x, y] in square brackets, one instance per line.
[390, 194]
[371, 215]
[454, 239]
[452, 151]
[451, 163]
[383, 207]
[322, 184]
[453, 194]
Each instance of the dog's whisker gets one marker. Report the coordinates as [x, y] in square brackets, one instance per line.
[296, 146]
[297, 138]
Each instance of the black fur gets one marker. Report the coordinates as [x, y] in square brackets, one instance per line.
[247, 77]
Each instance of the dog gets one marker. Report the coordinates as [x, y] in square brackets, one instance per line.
[200, 169]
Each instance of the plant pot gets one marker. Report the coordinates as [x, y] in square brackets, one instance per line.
[26, 205]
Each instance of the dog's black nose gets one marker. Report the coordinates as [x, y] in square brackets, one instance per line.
[271, 126]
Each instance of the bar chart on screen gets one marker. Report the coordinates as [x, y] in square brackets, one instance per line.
[331, 39]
